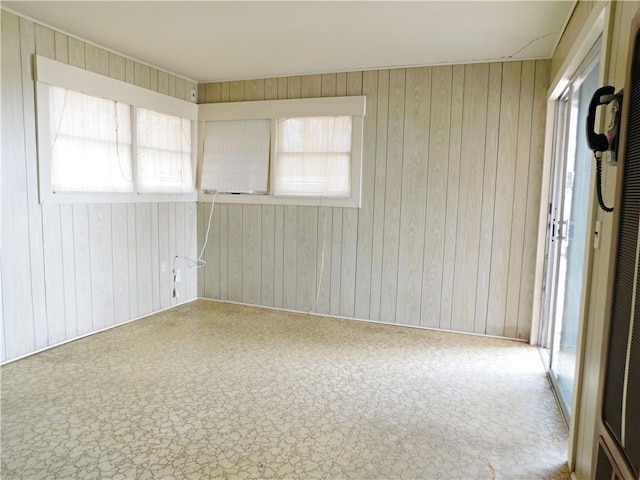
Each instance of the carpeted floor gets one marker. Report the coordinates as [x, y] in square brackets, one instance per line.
[212, 390]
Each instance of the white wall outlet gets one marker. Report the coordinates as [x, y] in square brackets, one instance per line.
[178, 277]
[163, 267]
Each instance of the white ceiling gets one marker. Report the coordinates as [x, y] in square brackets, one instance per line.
[214, 41]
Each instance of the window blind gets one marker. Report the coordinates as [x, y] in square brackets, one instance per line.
[236, 156]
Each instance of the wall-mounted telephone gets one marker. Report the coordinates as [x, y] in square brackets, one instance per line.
[604, 143]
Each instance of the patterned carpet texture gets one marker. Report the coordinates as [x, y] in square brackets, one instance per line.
[211, 390]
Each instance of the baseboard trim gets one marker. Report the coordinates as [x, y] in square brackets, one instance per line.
[84, 335]
[419, 327]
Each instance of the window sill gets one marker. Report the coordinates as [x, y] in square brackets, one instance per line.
[271, 200]
[62, 198]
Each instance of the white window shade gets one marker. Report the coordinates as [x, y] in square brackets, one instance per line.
[90, 143]
[236, 156]
[313, 157]
[163, 160]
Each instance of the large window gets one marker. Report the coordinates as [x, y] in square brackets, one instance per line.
[103, 140]
[303, 151]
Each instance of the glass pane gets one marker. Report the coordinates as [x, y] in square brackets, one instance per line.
[163, 153]
[90, 143]
[313, 157]
[574, 238]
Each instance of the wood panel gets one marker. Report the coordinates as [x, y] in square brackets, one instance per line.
[436, 201]
[453, 190]
[415, 166]
[251, 254]
[82, 260]
[234, 251]
[442, 148]
[101, 255]
[521, 185]
[30, 38]
[393, 193]
[503, 213]
[488, 197]
[120, 262]
[306, 258]
[378, 227]
[474, 114]
[17, 300]
[365, 215]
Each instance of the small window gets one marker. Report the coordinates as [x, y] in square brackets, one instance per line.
[236, 156]
[313, 157]
[90, 143]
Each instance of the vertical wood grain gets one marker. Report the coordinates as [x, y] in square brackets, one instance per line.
[365, 215]
[379, 194]
[17, 295]
[471, 175]
[101, 257]
[190, 237]
[29, 43]
[267, 257]
[155, 263]
[82, 259]
[251, 249]
[144, 274]
[436, 201]
[415, 166]
[519, 210]
[393, 194]
[69, 271]
[453, 189]
[488, 197]
[234, 249]
[133, 267]
[290, 242]
[307, 238]
[54, 325]
[349, 230]
[525, 305]
[181, 251]
[120, 262]
[505, 180]
[278, 256]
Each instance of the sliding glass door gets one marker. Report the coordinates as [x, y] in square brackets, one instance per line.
[568, 234]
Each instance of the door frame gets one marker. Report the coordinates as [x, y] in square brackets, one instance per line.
[597, 25]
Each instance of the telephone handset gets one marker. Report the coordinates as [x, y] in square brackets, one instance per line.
[604, 142]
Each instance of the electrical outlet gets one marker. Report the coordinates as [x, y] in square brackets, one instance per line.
[178, 277]
[163, 267]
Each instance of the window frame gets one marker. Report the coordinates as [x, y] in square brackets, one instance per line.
[48, 73]
[353, 106]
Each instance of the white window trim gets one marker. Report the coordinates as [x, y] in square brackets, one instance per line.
[354, 106]
[53, 73]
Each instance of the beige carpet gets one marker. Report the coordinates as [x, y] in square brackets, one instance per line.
[212, 390]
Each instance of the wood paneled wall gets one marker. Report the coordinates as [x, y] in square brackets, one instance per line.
[68, 270]
[447, 232]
